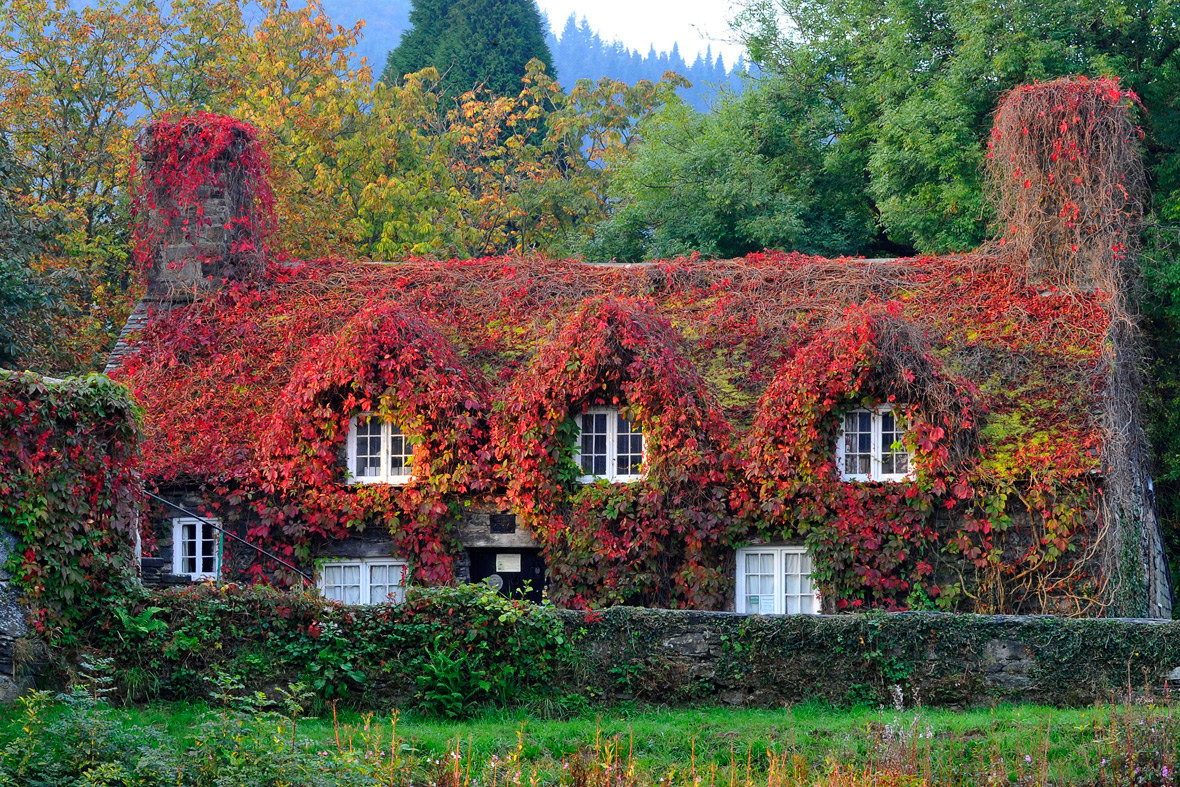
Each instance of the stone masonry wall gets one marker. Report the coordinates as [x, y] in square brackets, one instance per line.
[926, 658]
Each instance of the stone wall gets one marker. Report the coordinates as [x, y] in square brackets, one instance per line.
[13, 628]
[925, 658]
[271, 638]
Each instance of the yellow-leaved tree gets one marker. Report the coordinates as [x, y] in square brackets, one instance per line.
[360, 170]
[71, 81]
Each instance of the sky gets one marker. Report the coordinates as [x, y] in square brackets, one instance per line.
[694, 24]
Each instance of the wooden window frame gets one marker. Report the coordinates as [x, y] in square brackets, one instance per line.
[877, 450]
[385, 476]
[612, 414]
[779, 553]
[366, 564]
[178, 555]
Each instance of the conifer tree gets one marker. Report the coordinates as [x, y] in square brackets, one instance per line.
[472, 42]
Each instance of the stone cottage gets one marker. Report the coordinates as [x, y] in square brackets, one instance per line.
[774, 434]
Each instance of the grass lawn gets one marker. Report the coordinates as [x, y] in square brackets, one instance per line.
[1030, 744]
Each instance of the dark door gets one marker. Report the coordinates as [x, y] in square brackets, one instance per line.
[514, 572]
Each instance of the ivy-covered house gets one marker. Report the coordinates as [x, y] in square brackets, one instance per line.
[773, 434]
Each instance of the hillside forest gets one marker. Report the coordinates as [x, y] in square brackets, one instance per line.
[855, 128]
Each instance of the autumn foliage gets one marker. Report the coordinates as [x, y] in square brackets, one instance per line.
[738, 373]
[1066, 165]
[70, 496]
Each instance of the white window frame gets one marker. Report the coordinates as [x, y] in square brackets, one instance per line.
[877, 449]
[178, 555]
[366, 564]
[612, 448]
[385, 476]
[779, 554]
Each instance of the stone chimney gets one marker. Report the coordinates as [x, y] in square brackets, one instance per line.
[1068, 181]
[205, 210]
[203, 214]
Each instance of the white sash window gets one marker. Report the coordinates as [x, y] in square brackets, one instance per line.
[196, 551]
[363, 580]
[609, 446]
[378, 452]
[775, 581]
[869, 446]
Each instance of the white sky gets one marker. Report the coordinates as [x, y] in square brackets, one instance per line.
[694, 24]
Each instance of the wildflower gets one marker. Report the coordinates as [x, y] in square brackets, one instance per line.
[1028, 758]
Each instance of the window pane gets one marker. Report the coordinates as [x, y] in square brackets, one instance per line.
[401, 452]
[759, 589]
[895, 460]
[333, 583]
[385, 583]
[593, 454]
[858, 442]
[208, 554]
[188, 547]
[367, 447]
[629, 447]
[349, 588]
[797, 591]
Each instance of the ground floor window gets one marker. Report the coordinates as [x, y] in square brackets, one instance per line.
[196, 548]
[775, 581]
[363, 580]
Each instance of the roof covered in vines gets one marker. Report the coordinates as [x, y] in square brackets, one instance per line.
[214, 376]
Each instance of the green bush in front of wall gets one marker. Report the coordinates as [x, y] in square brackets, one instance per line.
[451, 651]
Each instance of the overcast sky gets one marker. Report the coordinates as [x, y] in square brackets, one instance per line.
[694, 24]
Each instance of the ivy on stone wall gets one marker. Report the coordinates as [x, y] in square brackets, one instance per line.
[452, 650]
[70, 494]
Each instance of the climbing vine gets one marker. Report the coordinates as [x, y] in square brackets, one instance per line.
[70, 496]
[396, 367]
[738, 372]
[656, 541]
[487, 362]
[191, 162]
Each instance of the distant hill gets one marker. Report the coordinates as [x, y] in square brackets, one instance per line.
[385, 21]
[578, 53]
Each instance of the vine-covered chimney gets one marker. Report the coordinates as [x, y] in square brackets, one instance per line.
[1067, 175]
[204, 207]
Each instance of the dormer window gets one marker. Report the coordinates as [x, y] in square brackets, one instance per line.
[378, 451]
[869, 446]
[609, 446]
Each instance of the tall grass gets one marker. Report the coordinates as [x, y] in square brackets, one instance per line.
[259, 740]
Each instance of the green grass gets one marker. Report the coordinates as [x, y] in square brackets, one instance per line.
[1069, 744]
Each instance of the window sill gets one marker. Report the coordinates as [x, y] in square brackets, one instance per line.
[884, 479]
[619, 479]
[399, 480]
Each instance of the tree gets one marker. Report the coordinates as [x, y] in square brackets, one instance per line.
[907, 88]
[472, 43]
[428, 24]
[23, 294]
[70, 83]
[739, 179]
